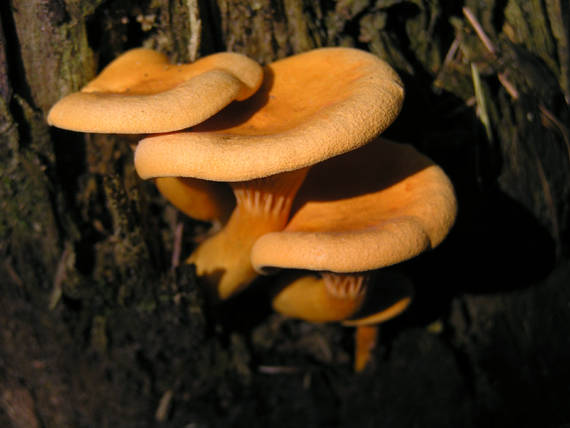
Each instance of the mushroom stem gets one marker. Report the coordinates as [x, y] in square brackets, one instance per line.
[262, 206]
[365, 338]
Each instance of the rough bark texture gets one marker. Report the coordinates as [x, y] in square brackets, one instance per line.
[99, 327]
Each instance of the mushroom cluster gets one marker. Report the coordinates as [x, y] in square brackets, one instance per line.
[310, 107]
[359, 212]
[288, 161]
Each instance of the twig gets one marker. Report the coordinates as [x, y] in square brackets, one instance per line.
[60, 274]
[164, 406]
[479, 30]
[481, 104]
[451, 52]
[549, 200]
[509, 87]
[272, 370]
[12, 273]
[448, 57]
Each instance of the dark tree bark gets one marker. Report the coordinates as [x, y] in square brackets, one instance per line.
[100, 327]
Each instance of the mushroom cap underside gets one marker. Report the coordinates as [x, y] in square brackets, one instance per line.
[199, 199]
[371, 208]
[305, 296]
[311, 107]
[141, 92]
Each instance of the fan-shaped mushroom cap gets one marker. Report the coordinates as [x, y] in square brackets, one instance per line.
[140, 92]
[365, 210]
[376, 299]
[306, 297]
[200, 199]
[311, 106]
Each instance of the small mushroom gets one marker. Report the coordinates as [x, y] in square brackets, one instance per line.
[356, 213]
[140, 92]
[360, 300]
[311, 107]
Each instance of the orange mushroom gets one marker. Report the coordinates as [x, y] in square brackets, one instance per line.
[356, 213]
[311, 107]
[141, 93]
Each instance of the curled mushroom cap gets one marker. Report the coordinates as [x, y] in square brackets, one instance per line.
[365, 210]
[311, 107]
[362, 211]
[141, 92]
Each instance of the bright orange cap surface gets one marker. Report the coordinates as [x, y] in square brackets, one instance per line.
[374, 207]
[140, 92]
[311, 107]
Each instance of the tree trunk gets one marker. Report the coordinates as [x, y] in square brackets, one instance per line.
[101, 326]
